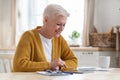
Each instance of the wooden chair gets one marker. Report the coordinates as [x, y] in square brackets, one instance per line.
[6, 62]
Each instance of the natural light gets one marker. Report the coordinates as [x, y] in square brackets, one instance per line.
[30, 15]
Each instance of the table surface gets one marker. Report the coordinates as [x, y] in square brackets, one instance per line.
[113, 74]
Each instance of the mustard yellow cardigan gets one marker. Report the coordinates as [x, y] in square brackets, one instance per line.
[29, 55]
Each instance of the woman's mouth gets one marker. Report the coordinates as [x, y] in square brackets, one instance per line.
[58, 31]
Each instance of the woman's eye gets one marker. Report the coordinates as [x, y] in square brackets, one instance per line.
[59, 24]
[62, 25]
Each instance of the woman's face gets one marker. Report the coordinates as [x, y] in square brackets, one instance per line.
[56, 25]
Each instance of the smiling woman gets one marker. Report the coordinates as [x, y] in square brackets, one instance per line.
[44, 48]
[30, 15]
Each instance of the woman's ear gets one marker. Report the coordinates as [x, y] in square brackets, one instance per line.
[45, 19]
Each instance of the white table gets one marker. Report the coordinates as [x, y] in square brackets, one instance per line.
[113, 74]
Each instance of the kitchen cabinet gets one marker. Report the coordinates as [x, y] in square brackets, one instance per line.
[90, 56]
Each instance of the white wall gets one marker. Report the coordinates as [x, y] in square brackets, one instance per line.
[7, 23]
[107, 14]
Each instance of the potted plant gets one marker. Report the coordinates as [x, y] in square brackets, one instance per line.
[74, 37]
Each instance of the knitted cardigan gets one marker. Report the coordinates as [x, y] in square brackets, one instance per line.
[29, 54]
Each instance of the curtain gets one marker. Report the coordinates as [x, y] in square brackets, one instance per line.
[88, 21]
[7, 24]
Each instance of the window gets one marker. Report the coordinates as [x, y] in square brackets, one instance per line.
[30, 15]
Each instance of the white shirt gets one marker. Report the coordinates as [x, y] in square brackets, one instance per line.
[47, 46]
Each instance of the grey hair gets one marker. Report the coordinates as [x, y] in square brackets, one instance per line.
[53, 10]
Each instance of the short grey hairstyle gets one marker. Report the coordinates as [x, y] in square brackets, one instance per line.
[53, 10]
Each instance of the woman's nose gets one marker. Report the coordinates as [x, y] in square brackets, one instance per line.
[61, 28]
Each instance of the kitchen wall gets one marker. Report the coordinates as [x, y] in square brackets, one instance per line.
[7, 23]
[107, 14]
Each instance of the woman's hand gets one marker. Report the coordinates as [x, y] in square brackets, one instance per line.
[55, 65]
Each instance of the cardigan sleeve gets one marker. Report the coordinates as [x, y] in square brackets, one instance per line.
[68, 56]
[23, 60]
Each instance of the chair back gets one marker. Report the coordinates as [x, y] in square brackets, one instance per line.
[6, 62]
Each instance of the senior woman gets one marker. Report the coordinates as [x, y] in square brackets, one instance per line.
[44, 48]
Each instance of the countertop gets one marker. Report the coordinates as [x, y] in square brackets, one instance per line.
[91, 49]
[77, 49]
